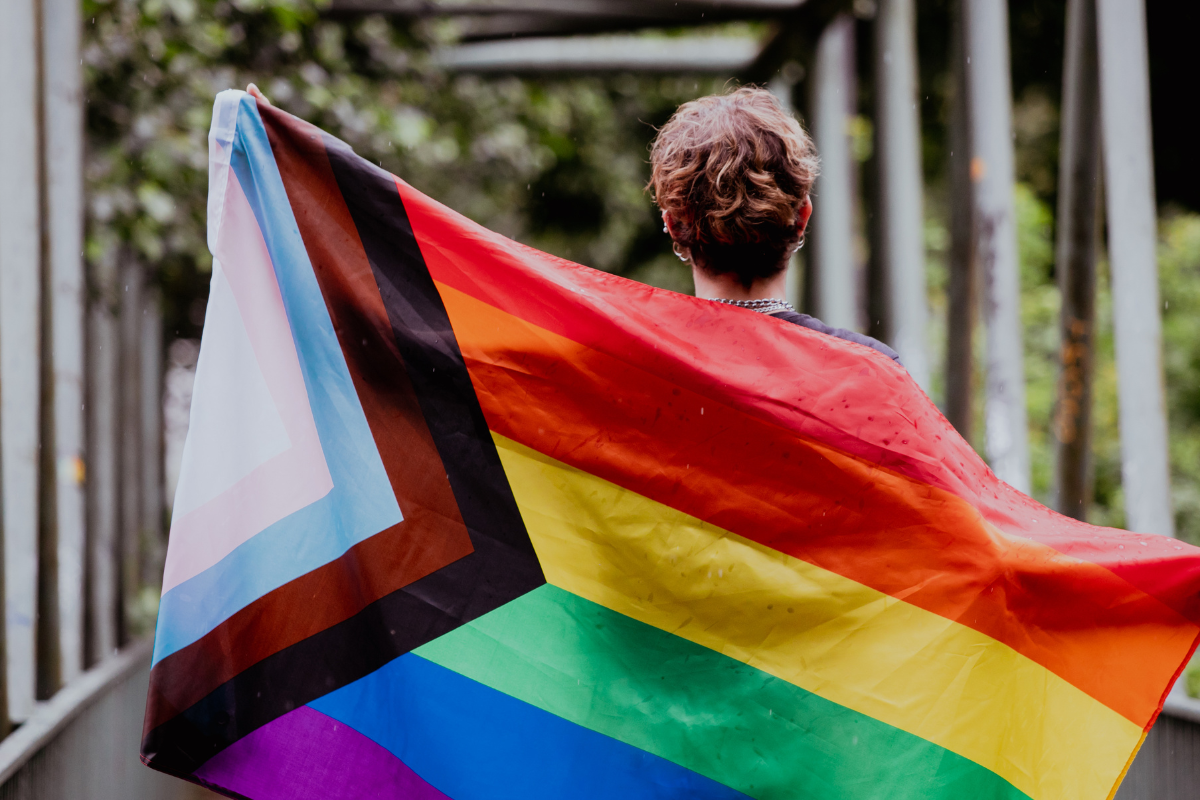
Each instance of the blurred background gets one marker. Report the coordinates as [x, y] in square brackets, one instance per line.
[968, 164]
[554, 154]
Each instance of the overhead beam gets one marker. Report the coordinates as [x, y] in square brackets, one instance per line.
[710, 54]
[678, 9]
[476, 20]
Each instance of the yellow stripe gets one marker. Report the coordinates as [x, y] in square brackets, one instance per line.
[846, 642]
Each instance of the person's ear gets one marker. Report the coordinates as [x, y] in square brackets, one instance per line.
[802, 215]
[668, 224]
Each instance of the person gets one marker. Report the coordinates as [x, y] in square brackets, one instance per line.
[732, 174]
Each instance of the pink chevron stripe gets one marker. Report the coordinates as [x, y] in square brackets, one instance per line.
[289, 480]
[306, 754]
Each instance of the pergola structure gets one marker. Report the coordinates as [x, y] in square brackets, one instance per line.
[81, 348]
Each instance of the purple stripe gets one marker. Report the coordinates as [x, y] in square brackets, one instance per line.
[305, 754]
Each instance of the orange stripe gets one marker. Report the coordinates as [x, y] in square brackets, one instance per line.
[907, 539]
[841, 394]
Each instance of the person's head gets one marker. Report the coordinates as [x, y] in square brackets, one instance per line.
[732, 174]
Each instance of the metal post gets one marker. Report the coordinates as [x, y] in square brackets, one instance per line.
[963, 285]
[1132, 238]
[990, 98]
[101, 576]
[20, 278]
[901, 222]
[129, 441]
[1078, 179]
[833, 277]
[63, 99]
[783, 86]
[153, 545]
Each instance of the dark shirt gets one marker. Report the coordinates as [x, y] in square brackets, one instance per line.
[814, 324]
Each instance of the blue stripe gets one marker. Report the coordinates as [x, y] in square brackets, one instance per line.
[475, 743]
[362, 502]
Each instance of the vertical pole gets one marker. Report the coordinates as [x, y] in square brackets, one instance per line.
[103, 509]
[963, 289]
[833, 270]
[130, 441]
[1078, 178]
[901, 216]
[20, 278]
[153, 544]
[63, 99]
[1132, 238]
[990, 97]
[783, 87]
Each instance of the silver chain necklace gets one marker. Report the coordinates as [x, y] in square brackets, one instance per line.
[771, 305]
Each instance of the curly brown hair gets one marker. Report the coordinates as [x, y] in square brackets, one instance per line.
[732, 170]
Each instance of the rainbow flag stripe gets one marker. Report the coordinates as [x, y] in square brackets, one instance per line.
[459, 519]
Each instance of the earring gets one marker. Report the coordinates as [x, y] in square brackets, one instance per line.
[678, 254]
[799, 244]
[665, 229]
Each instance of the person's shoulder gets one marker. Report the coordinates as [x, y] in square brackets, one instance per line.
[812, 323]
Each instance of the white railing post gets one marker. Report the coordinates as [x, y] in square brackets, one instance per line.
[901, 216]
[989, 97]
[103, 465]
[833, 293]
[130, 425]
[20, 279]
[153, 545]
[63, 102]
[1132, 240]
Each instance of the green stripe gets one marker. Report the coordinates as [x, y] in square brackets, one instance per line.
[705, 711]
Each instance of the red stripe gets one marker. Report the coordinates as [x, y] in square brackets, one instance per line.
[828, 390]
[899, 536]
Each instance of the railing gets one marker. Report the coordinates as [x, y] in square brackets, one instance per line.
[1168, 767]
[83, 743]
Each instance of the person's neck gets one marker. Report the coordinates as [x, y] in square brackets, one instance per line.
[727, 287]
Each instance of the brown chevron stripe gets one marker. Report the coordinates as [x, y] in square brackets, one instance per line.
[407, 584]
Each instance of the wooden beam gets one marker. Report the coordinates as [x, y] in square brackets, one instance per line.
[1075, 258]
[832, 285]
[709, 54]
[901, 185]
[990, 98]
[1132, 241]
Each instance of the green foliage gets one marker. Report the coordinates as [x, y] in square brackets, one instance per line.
[1179, 280]
[559, 164]
[1040, 304]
